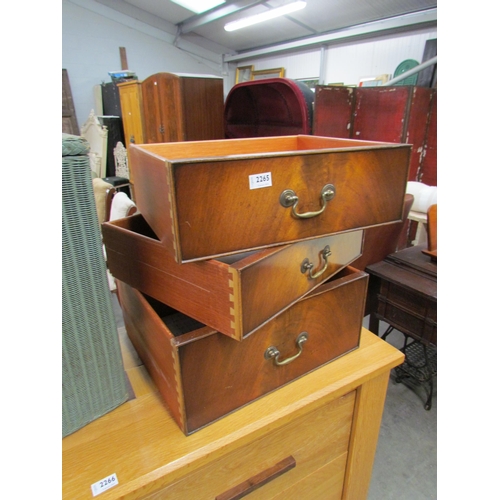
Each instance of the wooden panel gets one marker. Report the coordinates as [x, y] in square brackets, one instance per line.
[182, 108]
[333, 108]
[398, 114]
[231, 218]
[162, 109]
[428, 168]
[313, 440]
[364, 436]
[380, 114]
[380, 241]
[142, 444]
[69, 123]
[213, 375]
[325, 483]
[202, 108]
[235, 295]
[131, 104]
[417, 120]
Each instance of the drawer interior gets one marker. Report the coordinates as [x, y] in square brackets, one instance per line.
[138, 225]
[254, 146]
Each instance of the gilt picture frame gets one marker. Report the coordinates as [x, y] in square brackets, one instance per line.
[244, 74]
[268, 73]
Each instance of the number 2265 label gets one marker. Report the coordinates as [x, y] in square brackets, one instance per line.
[260, 180]
[104, 484]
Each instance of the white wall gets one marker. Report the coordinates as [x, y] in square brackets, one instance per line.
[92, 34]
[91, 37]
[347, 62]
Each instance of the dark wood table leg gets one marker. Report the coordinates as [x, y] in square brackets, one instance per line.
[374, 324]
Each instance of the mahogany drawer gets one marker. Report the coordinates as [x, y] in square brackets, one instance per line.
[210, 198]
[235, 294]
[203, 375]
[315, 445]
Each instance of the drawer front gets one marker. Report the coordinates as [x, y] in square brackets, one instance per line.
[282, 278]
[317, 441]
[235, 295]
[203, 375]
[406, 299]
[209, 207]
[220, 375]
[420, 325]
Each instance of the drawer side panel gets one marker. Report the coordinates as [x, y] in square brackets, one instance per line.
[156, 351]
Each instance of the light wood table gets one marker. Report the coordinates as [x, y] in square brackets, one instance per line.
[324, 427]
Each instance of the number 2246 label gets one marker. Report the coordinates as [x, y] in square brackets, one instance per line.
[260, 180]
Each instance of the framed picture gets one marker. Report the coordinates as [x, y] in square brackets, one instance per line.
[268, 73]
[244, 73]
[373, 81]
[310, 82]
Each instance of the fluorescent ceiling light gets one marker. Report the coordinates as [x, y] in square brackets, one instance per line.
[198, 6]
[265, 16]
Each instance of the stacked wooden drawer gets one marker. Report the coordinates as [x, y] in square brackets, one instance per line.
[234, 279]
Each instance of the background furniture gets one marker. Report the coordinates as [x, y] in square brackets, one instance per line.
[379, 242]
[424, 197]
[110, 99]
[432, 230]
[97, 136]
[113, 125]
[175, 107]
[132, 111]
[69, 122]
[101, 189]
[325, 425]
[271, 107]
[94, 380]
[405, 284]
[399, 114]
[121, 161]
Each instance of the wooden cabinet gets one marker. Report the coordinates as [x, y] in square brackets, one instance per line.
[181, 107]
[324, 427]
[110, 99]
[168, 107]
[131, 106]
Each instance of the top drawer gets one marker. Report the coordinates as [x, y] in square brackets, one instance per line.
[211, 198]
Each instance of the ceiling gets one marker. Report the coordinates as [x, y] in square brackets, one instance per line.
[317, 18]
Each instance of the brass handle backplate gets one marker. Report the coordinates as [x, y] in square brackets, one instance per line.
[273, 353]
[288, 198]
[307, 266]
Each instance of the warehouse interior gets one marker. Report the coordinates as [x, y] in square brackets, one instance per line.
[337, 54]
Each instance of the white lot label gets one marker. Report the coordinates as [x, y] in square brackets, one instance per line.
[104, 484]
[260, 180]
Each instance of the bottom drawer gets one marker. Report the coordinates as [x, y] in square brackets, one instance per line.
[327, 483]
[204, 375]
[408, 312]
[318, 443]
